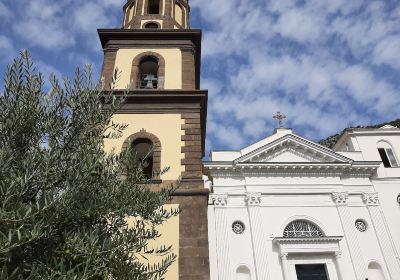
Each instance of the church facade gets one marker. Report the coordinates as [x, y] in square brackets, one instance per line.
[284, 208]
[287, 208]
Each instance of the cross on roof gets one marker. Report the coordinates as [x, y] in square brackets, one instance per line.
[279, 117]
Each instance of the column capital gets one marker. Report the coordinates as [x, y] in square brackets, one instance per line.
[370, 199]
[340, 198]
[253, 199]
[284, 256]
[218, 199]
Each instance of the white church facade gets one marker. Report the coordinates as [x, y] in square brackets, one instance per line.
[286, 208]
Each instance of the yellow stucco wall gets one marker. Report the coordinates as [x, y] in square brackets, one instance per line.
[173, 66]
[167, 127]
[169, 237]
[178, 14]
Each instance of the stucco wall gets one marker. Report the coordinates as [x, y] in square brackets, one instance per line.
[169, 231]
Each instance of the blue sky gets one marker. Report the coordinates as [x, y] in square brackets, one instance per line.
[324, 64]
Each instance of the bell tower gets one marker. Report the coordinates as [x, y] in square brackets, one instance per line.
[156, 14]
[158, 60]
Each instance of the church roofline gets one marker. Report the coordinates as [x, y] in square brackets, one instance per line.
[364, 132]
[299, 139]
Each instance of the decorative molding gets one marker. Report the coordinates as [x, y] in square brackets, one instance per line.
[361, 225]
[299, 169]
[370, 199]
[308, 240]
[340, 198]
[218, 199]
[253, 199]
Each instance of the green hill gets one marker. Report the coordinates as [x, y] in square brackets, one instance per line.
[331, 140]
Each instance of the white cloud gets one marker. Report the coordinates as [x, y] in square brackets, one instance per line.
[300, 25]
[313, 60]
[387, 52]
[5, 44]
[5, 12]
[316, 61]
[7, 49]
[47, 35]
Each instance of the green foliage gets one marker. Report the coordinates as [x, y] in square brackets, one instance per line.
[63, 200]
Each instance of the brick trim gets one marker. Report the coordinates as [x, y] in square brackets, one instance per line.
[136, 63]
[192, 148]
[110, 55]
[188, 68]
[156, 148]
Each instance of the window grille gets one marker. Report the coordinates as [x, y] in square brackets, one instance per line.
[301, 229]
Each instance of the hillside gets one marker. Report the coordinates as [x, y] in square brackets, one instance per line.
[331, 140]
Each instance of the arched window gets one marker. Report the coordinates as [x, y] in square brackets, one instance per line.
[148, 73]
[151, 25]
[302, 229]
[243, 273]
[154, 7]
[143, 148]
[387, 154]
[375, 271]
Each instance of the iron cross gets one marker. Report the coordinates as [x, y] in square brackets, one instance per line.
[279, 117]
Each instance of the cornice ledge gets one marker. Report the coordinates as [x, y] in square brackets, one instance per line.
[311, 240]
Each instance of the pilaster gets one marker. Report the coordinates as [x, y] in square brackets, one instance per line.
[221, 224]
[110, 55]
[371, 201]
[359, 265]
[253, 201]
[285, 265]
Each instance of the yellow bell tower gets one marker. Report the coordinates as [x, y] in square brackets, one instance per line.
[158, 58]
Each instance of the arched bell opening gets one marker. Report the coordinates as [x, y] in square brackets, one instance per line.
[148, 73]
[143, 149]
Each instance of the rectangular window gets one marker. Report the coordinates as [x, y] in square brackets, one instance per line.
[388, 157]
[154, 7]
[384, 157]
[392, 158]
[311, 272]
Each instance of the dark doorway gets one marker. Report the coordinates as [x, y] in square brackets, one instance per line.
[311, 272]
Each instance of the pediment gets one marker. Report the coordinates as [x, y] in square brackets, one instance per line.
[293, 149]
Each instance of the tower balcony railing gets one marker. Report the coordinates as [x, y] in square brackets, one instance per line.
[150, 81]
